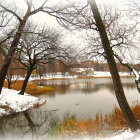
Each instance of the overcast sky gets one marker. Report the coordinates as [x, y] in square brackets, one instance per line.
[44, 19]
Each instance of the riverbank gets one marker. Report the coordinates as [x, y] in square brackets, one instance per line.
[12, 103]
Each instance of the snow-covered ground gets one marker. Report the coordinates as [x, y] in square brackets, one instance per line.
[104, 74]
[127, 135]
[11, 102]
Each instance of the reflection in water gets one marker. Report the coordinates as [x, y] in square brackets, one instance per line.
[85, 97]
[85, 86]
[1, 130]
[32, 125]
[81, 97]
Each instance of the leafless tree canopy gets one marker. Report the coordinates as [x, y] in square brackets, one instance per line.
[21, 18]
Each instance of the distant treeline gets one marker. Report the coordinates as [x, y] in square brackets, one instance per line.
[63, 67]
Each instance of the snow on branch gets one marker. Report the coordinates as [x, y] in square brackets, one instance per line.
[137, 75]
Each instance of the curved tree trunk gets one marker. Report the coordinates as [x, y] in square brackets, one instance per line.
[25, 82]
[130, 118]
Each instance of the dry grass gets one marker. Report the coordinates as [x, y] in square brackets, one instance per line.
[80, 127]
[30, 89]
[86, 77]
[95, 127]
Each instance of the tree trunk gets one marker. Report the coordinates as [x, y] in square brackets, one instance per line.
[10, 55]
[130, 118]
[25, 82]
[3, 73]
[9, 84]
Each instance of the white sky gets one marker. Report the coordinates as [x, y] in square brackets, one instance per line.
[44, 19]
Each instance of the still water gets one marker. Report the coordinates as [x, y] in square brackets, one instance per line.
[86, 97]
[79, 97]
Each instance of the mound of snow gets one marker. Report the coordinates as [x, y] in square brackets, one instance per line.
[11, 102]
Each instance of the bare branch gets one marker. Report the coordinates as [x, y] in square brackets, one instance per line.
[12, 12]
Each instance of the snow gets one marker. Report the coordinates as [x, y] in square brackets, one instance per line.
[136, 74]
[123, 136]
[126, 135]
[11, 102]
[107, 74]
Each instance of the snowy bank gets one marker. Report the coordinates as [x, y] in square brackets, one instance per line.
[11, 102]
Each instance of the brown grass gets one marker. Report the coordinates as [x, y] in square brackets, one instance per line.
[98, 126]
[30, 89]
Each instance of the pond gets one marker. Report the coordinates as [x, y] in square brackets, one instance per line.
[79, 97]
[86, 97]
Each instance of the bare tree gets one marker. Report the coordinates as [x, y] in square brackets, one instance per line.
[36, 49]
[4, 21]
[111, 36]
[133, 13]
[41, 70]
[21, 20]
[15, 42]
[131, 120]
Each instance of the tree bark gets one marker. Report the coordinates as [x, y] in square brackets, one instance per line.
[130, 118]
[25, 82]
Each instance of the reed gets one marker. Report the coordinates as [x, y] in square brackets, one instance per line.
[30, 89]
[95, 127]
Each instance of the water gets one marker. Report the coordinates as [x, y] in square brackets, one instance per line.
[85, 97]
[80, 97]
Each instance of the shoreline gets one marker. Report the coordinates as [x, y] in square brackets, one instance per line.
[80, 77]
